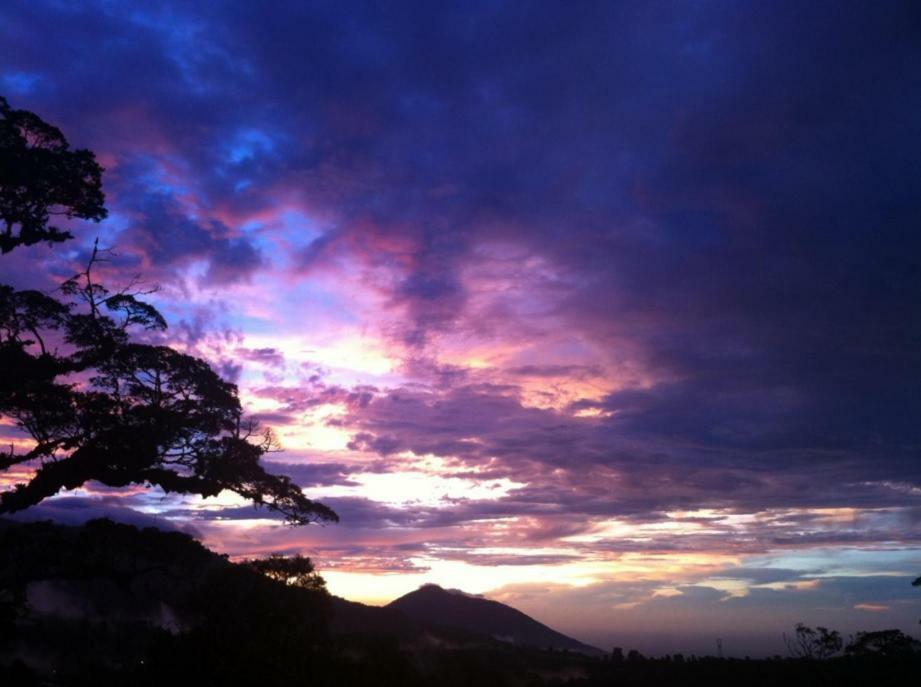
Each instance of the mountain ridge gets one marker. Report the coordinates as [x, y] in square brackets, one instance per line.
[434, 607]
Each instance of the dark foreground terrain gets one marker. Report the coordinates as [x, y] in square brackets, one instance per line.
[108, 604]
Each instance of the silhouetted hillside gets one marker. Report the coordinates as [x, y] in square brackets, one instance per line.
[437, 607]
[130, 606]
[351, 617]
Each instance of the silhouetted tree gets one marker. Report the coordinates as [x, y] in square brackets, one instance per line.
[97, 404]
[917, 583]
[101, 407]
[884, 643]
[294, 571]
[813, 643]
[40, 177]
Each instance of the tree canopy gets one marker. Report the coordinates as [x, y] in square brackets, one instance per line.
[293, 571]
[97, 403]
[884, 643]
[818, 643]
[41, 177]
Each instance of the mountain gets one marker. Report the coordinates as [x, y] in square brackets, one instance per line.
[351, 617]
[350, 620]
[433, 606]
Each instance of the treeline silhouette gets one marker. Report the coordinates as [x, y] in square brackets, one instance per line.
[109, 604]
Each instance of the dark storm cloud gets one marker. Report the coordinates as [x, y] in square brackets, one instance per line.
[164, 234]
[313, 474]
[620, 466]
[296, 400]
[271, 357]
[551, 371]
[727, 193]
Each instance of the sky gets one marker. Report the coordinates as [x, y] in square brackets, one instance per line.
[609, 311]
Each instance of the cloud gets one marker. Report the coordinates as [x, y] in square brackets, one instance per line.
[165, 235]
[689, 618]
[611, 463]
[642, 261]
[264, 356]
[76, 510]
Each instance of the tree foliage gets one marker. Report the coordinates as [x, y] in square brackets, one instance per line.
[294, 571]
[100, 406]
[889, 643]
[97, 403]
[41, 177]
[818, 643]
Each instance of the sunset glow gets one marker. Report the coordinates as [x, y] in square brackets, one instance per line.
[619, 329]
